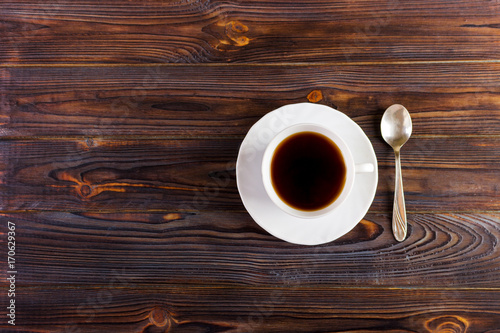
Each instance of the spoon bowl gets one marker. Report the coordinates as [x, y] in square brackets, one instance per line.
[396, 128]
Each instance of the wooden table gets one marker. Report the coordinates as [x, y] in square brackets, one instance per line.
[120, 127]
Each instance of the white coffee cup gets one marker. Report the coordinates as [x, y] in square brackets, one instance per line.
[350, 167]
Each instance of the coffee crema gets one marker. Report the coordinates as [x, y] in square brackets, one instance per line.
[308, 171]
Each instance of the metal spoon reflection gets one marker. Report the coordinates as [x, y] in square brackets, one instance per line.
[396, 127]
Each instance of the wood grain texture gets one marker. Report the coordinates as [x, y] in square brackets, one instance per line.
[83, 32]
[440, 174]
[230, 249]
[127, 307]
[444, 99]
[120, 124]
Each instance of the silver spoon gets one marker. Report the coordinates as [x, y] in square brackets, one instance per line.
[396, 130]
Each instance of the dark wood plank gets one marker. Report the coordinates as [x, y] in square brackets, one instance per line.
[123, 306]
[119, 174]
[444, 99]
[198, 174]
[111, 31]
[223, 249]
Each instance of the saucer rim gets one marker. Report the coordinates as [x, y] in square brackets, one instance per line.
[285, 236]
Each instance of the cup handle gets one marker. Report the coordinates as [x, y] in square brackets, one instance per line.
[365, 168]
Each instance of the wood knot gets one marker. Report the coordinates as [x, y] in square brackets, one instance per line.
[447, 324]
[235, 30]
[160, 318]
[89, 142]
[85, 190]
[86, 144]
[315, 96]
[237, 27]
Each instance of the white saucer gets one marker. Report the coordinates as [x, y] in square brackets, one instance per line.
[312, 231]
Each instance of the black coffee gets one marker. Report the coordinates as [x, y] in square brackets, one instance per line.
[308, 171]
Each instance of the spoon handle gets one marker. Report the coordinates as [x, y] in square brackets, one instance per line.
[399, 225]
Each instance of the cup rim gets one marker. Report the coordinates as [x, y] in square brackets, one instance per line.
[266, 169]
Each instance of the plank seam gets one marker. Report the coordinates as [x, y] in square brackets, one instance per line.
[282, 64]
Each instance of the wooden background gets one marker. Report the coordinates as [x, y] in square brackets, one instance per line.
[120, 123]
